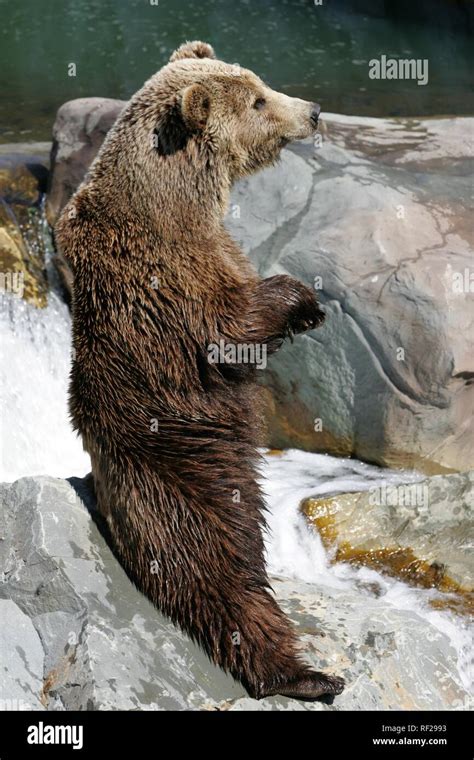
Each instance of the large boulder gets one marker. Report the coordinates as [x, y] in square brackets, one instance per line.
[375, 216]
[85, 638]
[378, 214]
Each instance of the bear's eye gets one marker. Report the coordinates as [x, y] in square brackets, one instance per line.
[260, 103]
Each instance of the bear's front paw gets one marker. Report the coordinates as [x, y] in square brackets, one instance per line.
[306, 315]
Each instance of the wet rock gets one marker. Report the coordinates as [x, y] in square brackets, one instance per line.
[24, 169]
[85, 638]
[23, 179]
[22, 261]
[421, 532]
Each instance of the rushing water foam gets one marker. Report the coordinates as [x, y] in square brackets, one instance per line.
[37, 438]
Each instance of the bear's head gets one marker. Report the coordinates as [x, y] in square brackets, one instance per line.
[221, 108]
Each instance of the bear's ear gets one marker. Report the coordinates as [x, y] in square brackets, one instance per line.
[171, 134]
[195, 106]
[182, 119]
[194, 49]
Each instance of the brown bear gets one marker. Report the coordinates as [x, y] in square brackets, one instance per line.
[173, 436]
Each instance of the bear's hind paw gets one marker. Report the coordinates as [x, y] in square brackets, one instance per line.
[311, 686]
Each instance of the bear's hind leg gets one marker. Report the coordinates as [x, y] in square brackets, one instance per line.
[203, 567]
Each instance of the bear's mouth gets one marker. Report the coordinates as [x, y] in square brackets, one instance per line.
[284, 141]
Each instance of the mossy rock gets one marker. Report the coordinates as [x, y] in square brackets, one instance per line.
[419, 533]
[23, 178]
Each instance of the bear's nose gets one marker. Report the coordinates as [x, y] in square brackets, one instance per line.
[315, 111]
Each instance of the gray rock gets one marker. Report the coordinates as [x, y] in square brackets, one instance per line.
[379, 211]
[384, 222]
[391, 658]
[85, 638]
[21, 660]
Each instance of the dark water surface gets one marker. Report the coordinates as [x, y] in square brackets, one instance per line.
[319, 52]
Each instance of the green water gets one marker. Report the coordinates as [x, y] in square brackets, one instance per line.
[317, 52]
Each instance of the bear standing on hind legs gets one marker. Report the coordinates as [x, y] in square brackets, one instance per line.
[157, 280]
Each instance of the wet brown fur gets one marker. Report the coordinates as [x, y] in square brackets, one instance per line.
[156, 280]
